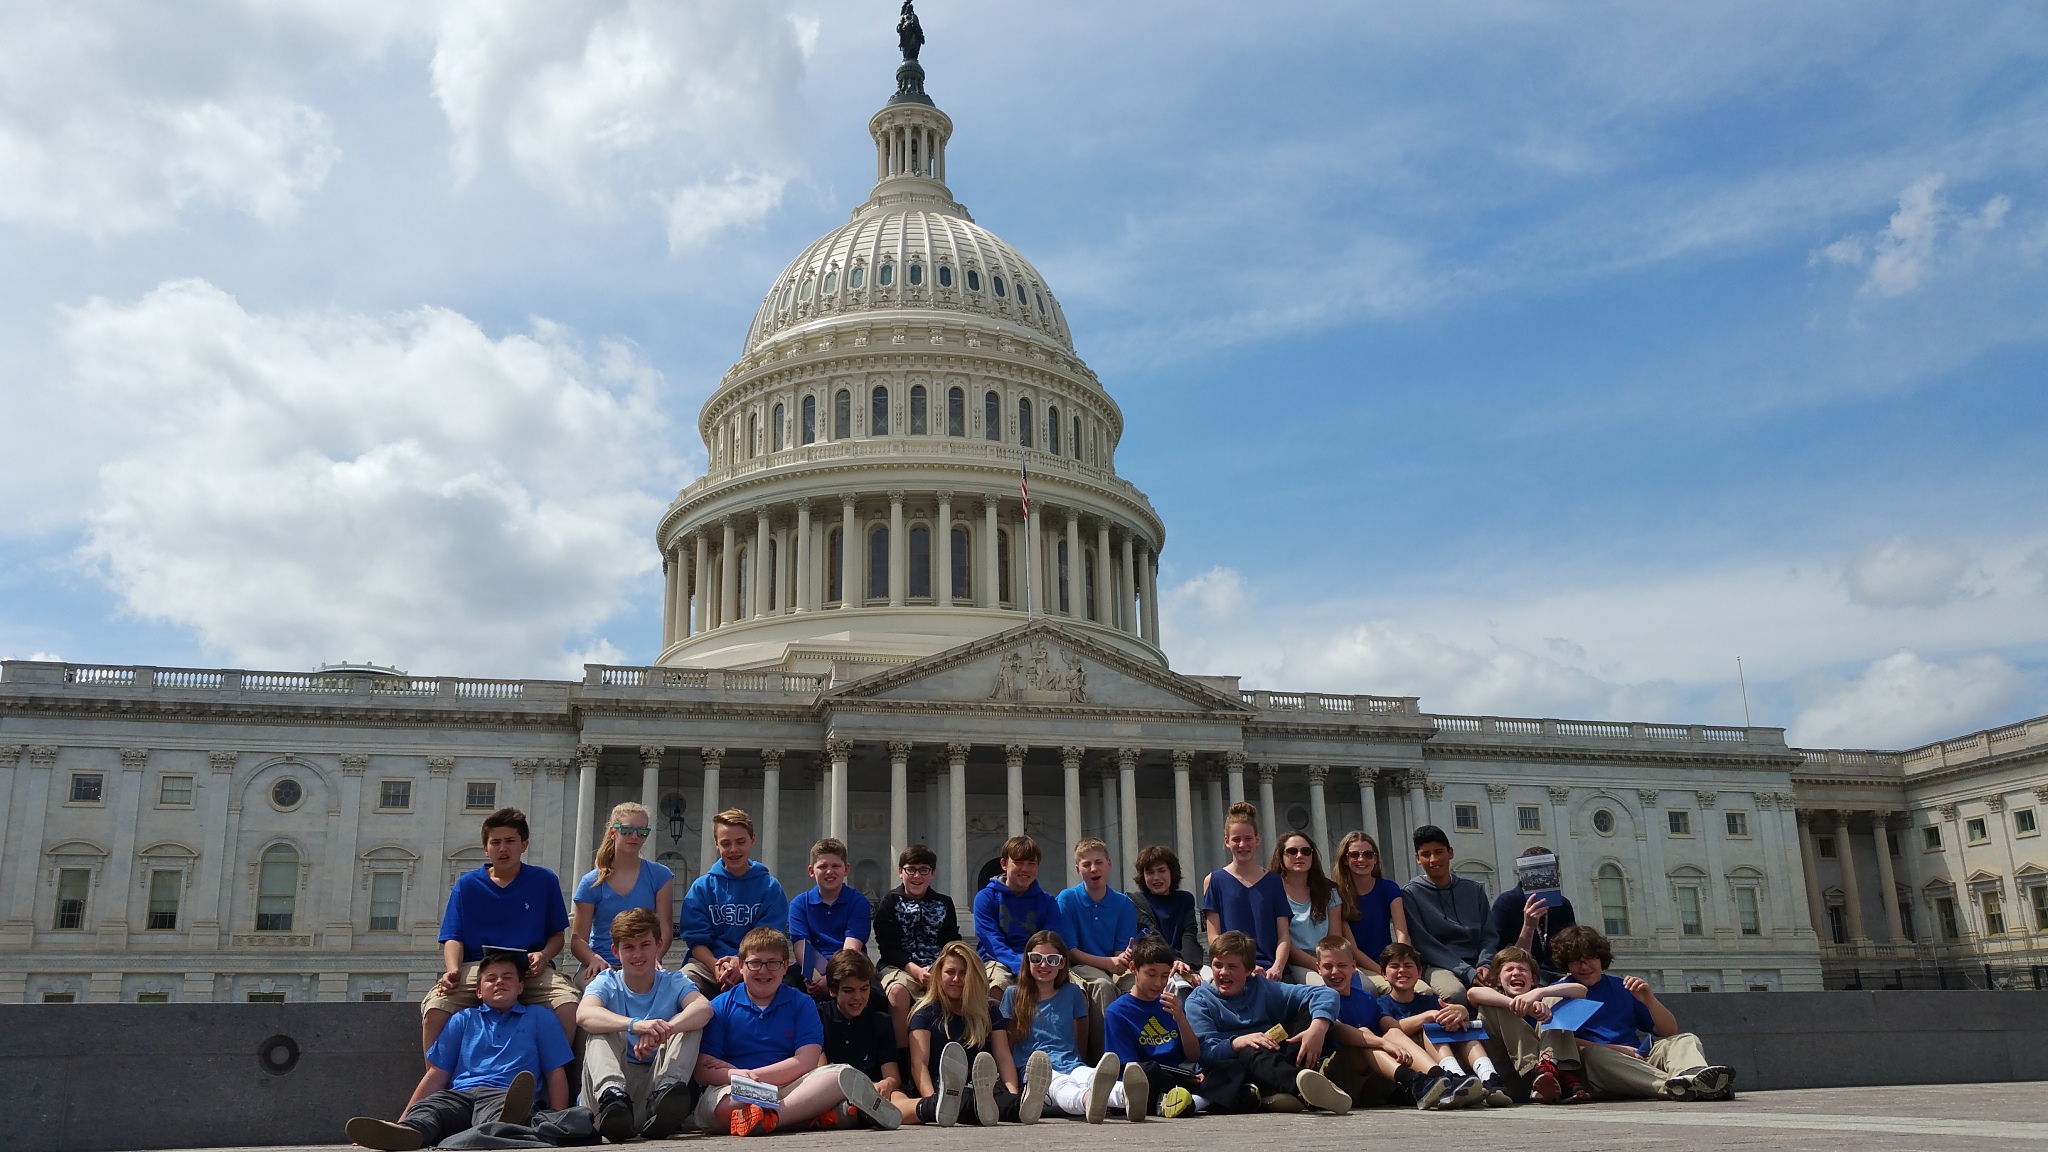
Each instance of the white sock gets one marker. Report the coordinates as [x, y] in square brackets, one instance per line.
[1201, 1103]
[1450, 1064]
[1484, 1069]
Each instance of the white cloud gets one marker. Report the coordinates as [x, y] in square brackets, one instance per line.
[1906, 251]
[703, 210]
[1899, 574]
[406, 489]
[1903, 700]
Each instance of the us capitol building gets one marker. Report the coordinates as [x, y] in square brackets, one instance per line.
[864, 636]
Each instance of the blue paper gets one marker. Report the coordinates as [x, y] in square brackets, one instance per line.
[1551, 897]
[1571, 1015]
[1438, 1034]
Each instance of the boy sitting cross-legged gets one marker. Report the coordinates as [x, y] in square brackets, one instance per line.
[1410, 1008]
[1148, 1029]
[482, 1067]
[1616, 1067]
[829, 918]
[1011, 909]
[858, 1033]
[1370, 1067]
[1515, 1007]
[643, 1024]
[769, 1032]
[912, 923]
[1236, 1013]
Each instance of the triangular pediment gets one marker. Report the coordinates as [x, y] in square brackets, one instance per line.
[1041, 665]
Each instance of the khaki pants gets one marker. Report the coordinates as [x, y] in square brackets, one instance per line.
[605, 1066]
[1102, 989]
[999, 977]
[550, 988]
[1445, 984]
[1353, 1072]
[707, 1104]
[1517, 1047]
[1296, 974]
[1614, 1075]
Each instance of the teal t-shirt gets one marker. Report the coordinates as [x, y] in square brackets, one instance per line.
[1052, 1026]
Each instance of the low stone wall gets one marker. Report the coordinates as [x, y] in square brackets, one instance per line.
[94, 1077]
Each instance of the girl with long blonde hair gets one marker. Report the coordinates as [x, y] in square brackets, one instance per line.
[951, 1033]
[621, 880]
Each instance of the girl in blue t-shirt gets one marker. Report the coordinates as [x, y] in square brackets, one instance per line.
[1048, 1022]
[620, 881]
[1244, 897]
[1372, 906]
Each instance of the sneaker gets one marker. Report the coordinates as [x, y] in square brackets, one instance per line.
[518, 1108]
[832, 1119]
[1709, 1083]
[985, 1079]
[751, 1120]
[1543, 1086]
[1037, 1078]
[1137, 1092]
[1571, 1089]
[1430, 1090]
[668, 1110]
[383, 1135]
[1098, 1089]
[1177, 1102]
[615, 1116]
[1280, 1102]
[952, 1077]
[861, 1093]
[1316, 1090]
[1466, 1093]
[1497, 1093]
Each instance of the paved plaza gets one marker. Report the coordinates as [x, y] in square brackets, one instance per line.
[1951, 1118]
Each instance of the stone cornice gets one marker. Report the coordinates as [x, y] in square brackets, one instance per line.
[1415, 732]
[1438, 749]
[244, 711]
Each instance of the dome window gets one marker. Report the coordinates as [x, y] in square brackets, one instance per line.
[920, 415]
[831, 284]
[999, 287]
[1041, 303]
[945, 276]
[992, 417]
[885, 276]
[856, 278]
[1024, 421]
[803, 292]
[916, 275]
[810, 420]
[786, 293]
[878, 412]
[973, 280]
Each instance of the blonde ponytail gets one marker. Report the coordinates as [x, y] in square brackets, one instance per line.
[609, 850]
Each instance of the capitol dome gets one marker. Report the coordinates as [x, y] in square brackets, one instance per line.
[863, 503]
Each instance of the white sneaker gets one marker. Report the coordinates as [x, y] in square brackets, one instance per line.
[862, 1094]
[1098, 1091]
[1037, 1078]
[1137, 1092]
[952, 1078]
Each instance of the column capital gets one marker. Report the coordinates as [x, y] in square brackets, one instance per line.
[1706, 799]
[1496, 792]
[728, 522]
[1182, 759]
[522, 769]
[440, 765]
[10, 755]
[1843, 814]
[557, 766]
[899, 750]
[1269, 772]
[1317, 773]
[586, 755]
[353, 764]
[896, 498]
[761, 511]
[771, 759]
[2041, 794]
[1559, 794]
[1127, 759]
[1013, 754]
[838, 748]
[803, 503]
[1234, 761]
[1995, 802]
[1367, 774]
[1435, 789]
[956, 755]
[1071, 756]
[651, 754]
[134, 759]
[222, 762]
[1804, 816]
[944, 494]
[1648, 796]
[714, 758]
[1881, 821]
[1212, 772]
[1945, 811]
[848, 498]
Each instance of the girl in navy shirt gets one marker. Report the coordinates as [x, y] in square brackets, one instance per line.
[1372, 906]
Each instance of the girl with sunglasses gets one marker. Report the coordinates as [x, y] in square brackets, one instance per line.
[1372, 906]
[620, 881]
[1312, 903]
[1048, 1023]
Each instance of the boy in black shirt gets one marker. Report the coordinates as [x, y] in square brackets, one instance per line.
[854, 1035]
[911, 924]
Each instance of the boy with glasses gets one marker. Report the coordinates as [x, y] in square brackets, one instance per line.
[913, 922]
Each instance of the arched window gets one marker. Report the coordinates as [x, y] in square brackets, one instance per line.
[1076, 441]
[277, 888]
[810, 419]
[956, 412]
[1060, 578]
[1041, 303]
[856, 277]
[921, 561]
[999, 287]
[878, 412]
[1613, 900]
[945, 276]
[835, 557]
[775, 430]
[1003, 566]
[831, 284]
[1052, 429]
[842, 415]
[973, 280]
[920, 424]
[878, 562]
[885, 275]
[961, 568]
[1088, 579]
[992, 417]
[916, 275]
[753, 435]
[1024, 421]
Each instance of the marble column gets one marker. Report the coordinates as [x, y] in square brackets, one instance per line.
[771, 809]
[1211, 836]
[1076, 583]
[806, 557]
[1880, 827]
[728, 575]
[1816, 908]
[840, 752]
[707, 842]
[1150, 567]
[942, 553]
[1105, 596]
[1268, 820]
[114, 921]
[1013, 785]
[1106, 791]
[850, 577]
[671, 570]
[700, 604]
[1234, 767]
[1070, 779]
[1183, 811]
[1368, 818]
[1319, 809]
[650, 780]
[760, 585]
[586, 809]
[988, 590]
[1126, 594]
[956, 818]
[1852, 897]
[1127, 797]
[899, 552]
[899, 797]
[1418, 808]
[340, 917]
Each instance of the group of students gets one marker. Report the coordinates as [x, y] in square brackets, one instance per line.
[1307, 991]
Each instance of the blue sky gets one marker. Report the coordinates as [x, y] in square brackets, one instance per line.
[1533, 359]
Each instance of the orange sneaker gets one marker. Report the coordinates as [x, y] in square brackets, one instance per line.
[829, 1121]
[751, 1120]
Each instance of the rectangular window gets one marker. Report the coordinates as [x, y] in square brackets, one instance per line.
[386, 888]
[1679, 821]
[1838, 925]
[1466, 816]
[395, 795]
[2024, 824]
[1930, 838]
[1945, 911]
[1891, 843]
[1994, 914]
[2039, 892]
[174, 791]
[60, 997]
[1906, 921]
[1738, 823]
[376, 997]
[1977, 829]
[1529, 818]
[1825, 845]
[72, 886]
[87, 787]
[1689, 912]
[1746, 912]
[164, 888]
[480, 796]
[152, 997]
[266, 998]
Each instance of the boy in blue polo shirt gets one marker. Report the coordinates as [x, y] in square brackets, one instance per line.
[1100, 923]
[769, 1032]
[506, 904]
[1616, 1065]
[828, 919]
[482, 1067]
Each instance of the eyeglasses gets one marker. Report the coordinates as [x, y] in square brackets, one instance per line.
[1297, 851]
[1044, 959]
[916, 870]
[769, 965]
[637, 830]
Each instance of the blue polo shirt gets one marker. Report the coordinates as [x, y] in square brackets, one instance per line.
[1620, 1018]
[521, 915]
[1359, 1008]
[1102, 927]
[744, 1034]
[1255, 911]
[1423, 1002]
[660, 1002]
[485, 1048]
[824, 927]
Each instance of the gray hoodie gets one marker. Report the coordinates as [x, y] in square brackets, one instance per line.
[1447, 925]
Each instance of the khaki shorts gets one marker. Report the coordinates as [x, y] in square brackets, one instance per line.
[550, 988]
[999, 977]
[892, 977]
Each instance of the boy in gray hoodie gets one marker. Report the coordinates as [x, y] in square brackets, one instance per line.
[1447, 918]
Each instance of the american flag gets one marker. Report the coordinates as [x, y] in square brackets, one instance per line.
[1024, 485]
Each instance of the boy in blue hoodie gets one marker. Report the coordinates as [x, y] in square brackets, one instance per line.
[1235, 1015]
[733, 897]
[1010, 910]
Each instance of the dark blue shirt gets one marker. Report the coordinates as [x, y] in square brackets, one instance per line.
[1423, 1002]
[746, 1035]
[1373, 928]
[521, 915]
[824, 927]
[1359, 1008]
[1620, 1018]
[1255, 911]
[1137, 1029]
[482, 1047]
